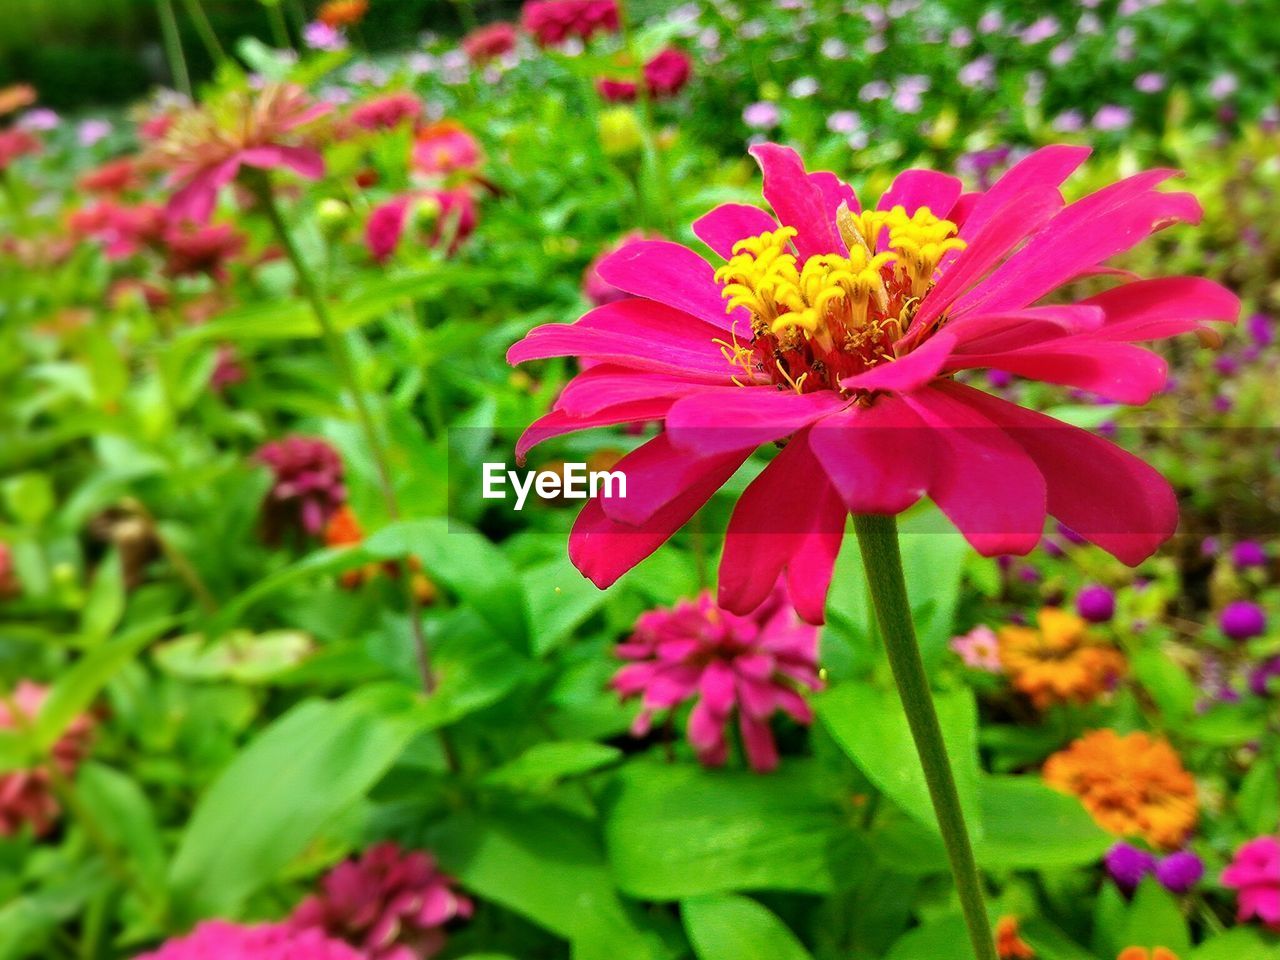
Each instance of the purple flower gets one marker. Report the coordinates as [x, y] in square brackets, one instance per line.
[1069, 121]
[1210, 547]
[761, 116]
[990, 22]
[320, 36]
[1127, 865]
[1062, 53]
[1261, 676]
[1148, 82]
[1040, 31]
[1096, 603]
[960, 37]
[1260, 329]
[39, 120]
[844, 122]
[1179, 872]
[978, 73]
[1242, 620]
[307, 487]
[1112, 117]
[1223, 86]
[1223, 404]
[1248, 553]
[93, 131]
[874, 90]
[999, 379]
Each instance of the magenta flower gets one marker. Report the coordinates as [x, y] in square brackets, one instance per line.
[841, 335]
[391, 903]
[308, 485]
[220, 940]
[386, 112]
[453, 217]
[489, 42]
[1128, 865]
[753, 665]
[318, 35]
[551, 22]
[26, 796]
[1255, 876]
[1111, 118]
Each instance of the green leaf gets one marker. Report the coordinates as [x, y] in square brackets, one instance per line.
[948, 937]
[1155, 920]
[1029, 825]
[29, 497]
[77, 688]
[870, 726]
[239, 655]
[105, 604]
[559, 598]
[547, 866]
[124, 817]
[1259, 799]
[278, 794]
[730, 927]
[675, 831]
[1170, 687]
[1243, 943]
[544, 764]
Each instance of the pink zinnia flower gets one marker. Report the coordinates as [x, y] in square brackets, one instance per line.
[445, 147]
[1255, 876]
[114, 177]
[308, 483]
[979, 649]
[14, 143]
[191, 250]
[753, 665]
[386, 112]
[26, 796]
[489, 42]
[551, 22]
[122, 230]
[392, 904]
[205, 149]
[455, 219]
[667, 73]
[220, 940]
[841, 336]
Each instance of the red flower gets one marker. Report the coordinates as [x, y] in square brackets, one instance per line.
[123, 230]
[750, 665]
[308, 480]
[390, 903]
[205, 249]
[664, 76]
[489, 42]
[553, 21]
[114, 177]
[14, 143]
[843, 332]
[386, 113]
[454, 218]
[26, 796]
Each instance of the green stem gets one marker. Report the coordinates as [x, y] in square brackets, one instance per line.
[279, 29]
[207, 35]
[346, 371]
[173, 47]
[878, 540]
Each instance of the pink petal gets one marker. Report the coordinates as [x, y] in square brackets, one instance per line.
[706, 735]
[303, 161]
[789, 519]
[906, 373]
[984, 482]
[1098, 490]
[674, 275]
[728, 223]
[997, 332]
[605, 386]
[558, 422]
[717, 688]
[1165, 307]
[1079, 238]
[880, 458]
[195, 201]
[757, 740]
[742, 418]
[913, 189]
[1046, 167]
[798, 201]
[656, 472]
[1117, 371]
[604, 550]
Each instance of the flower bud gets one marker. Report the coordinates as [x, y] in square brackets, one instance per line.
[620, 131]
[333, 215]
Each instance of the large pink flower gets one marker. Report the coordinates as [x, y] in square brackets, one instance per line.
[752, 665]
[1255, 875]
[843, 331]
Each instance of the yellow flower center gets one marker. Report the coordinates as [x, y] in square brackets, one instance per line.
[832, 316]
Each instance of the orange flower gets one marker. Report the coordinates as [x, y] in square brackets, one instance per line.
[16, 97]
[344, 530]
[343, 13]
[1142, 953]
[1061, 662]
[1131, 785]
[1009, 945]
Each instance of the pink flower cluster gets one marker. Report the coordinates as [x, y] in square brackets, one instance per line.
[664, 76]
[551, 22]
[1255, 876]
[754, 665]
[26, 796]
[489, 42]
[392, 904]
[308, 484]
[220, 940]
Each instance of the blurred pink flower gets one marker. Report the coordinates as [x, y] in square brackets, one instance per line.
[979, 649]
[220, 940]
[1111, 117]
[26, 796]
[192, 249]
[453, 217]
[386, 112]
[594, 287]
[551, 22]
[754, 665]
[41, 119]
[445, 147]
[761, 116]
[14, 143]
[93, 131]
[308, 485]
[392, 904]
[977, 73]
[318, 35]
[489, 42]
[1148, 82]
[664, 76]
[1255, 876]
[10, 586]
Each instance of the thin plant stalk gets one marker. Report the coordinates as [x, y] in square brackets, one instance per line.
[341, 357]
[173, 47]
[882, 559]
[208, 36]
